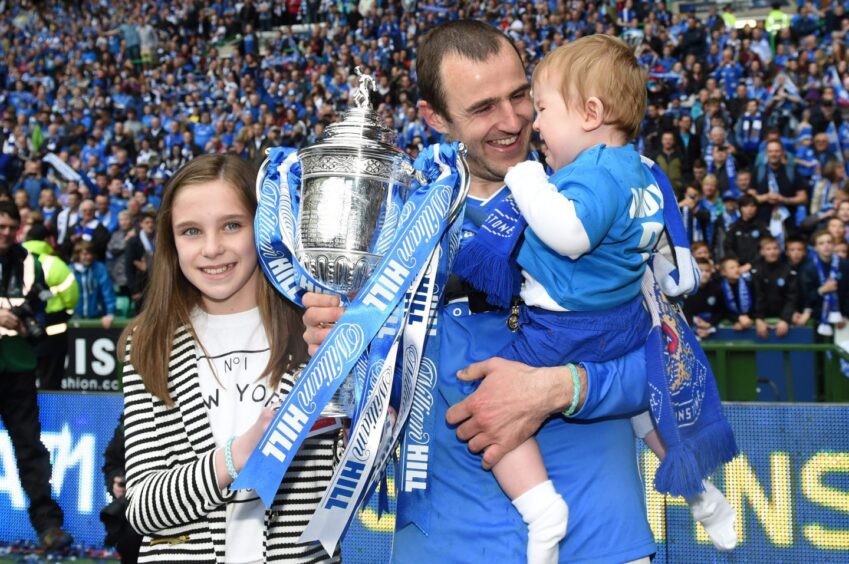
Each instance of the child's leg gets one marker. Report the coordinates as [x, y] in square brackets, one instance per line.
[710, 508]
[522, 476]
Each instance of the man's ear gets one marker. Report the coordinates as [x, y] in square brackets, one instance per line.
[432, 117]
[593, 114]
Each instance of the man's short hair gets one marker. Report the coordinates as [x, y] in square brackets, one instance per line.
[747, 200]
[819, 233]
[605, 67]
[7, 207]
[766, 240]
[470, 39]
[795, 239]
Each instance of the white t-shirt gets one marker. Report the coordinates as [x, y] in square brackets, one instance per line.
[238, 349]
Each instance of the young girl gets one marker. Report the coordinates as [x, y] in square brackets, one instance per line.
[214, 347]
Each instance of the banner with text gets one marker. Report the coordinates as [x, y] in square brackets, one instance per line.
[790, 485]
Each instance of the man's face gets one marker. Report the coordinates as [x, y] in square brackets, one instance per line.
[748, 212]
[8, 230]
[86, 211]
[148, 225]
[744, 181]
[795, 252]
[720, 155]
[774, 153]
[821, 142]
[668, 142]
[102, 204]
[488, 109]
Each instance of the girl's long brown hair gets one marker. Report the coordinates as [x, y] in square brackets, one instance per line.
[170, 297]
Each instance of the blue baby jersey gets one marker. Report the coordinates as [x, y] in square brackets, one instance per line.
[591, 459]
[621, 209]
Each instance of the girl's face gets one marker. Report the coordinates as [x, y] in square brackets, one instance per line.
[214, 237]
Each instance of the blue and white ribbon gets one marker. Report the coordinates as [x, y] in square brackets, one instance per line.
[422, 223]
[373, 438]
[275, 227]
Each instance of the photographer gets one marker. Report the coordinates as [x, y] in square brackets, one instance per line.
[21, 319]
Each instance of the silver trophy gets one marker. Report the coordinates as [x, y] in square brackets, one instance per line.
[354, 182]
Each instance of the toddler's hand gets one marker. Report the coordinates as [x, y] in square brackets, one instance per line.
[526, 173]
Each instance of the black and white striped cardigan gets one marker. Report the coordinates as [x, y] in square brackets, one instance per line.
[174, 499]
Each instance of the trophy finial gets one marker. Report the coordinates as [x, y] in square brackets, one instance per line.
[361, 95]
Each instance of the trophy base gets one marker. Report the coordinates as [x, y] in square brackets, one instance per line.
[344, 271]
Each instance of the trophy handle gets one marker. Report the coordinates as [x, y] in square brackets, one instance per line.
[467, 180]
[261, 174]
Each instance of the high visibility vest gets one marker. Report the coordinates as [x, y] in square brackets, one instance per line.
[776, 21]
[62, 283]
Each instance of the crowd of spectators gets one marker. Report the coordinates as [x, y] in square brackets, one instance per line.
[103, 101]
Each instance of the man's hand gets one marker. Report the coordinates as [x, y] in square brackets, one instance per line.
[781, 328]
[761, 328]
[322, 311]
[9, 320]
[829, 286]
[801, 318]
[511, 404]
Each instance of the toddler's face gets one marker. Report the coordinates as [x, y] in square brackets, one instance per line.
[558, 125]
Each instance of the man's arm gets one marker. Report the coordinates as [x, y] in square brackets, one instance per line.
[514, 400]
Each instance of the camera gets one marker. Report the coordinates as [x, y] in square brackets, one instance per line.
[25, 313]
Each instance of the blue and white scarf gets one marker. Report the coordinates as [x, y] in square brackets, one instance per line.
[752, 127]
[830, 302]
[741, 304]
[695, 233]
[779, 213]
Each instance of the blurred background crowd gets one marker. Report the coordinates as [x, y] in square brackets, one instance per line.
[103, 101]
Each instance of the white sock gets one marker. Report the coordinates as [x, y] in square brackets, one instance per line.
[712, 510]
[546, 514]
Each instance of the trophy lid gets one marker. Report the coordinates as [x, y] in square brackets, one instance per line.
[361, 127]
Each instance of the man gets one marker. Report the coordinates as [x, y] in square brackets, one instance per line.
[21, 312]
[474, 89]
[88, 228]
[60, 279]
[778, 190]
[104, 213]
[138, 257]
[671, 161]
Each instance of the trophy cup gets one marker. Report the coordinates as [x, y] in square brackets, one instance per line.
[354, 182]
